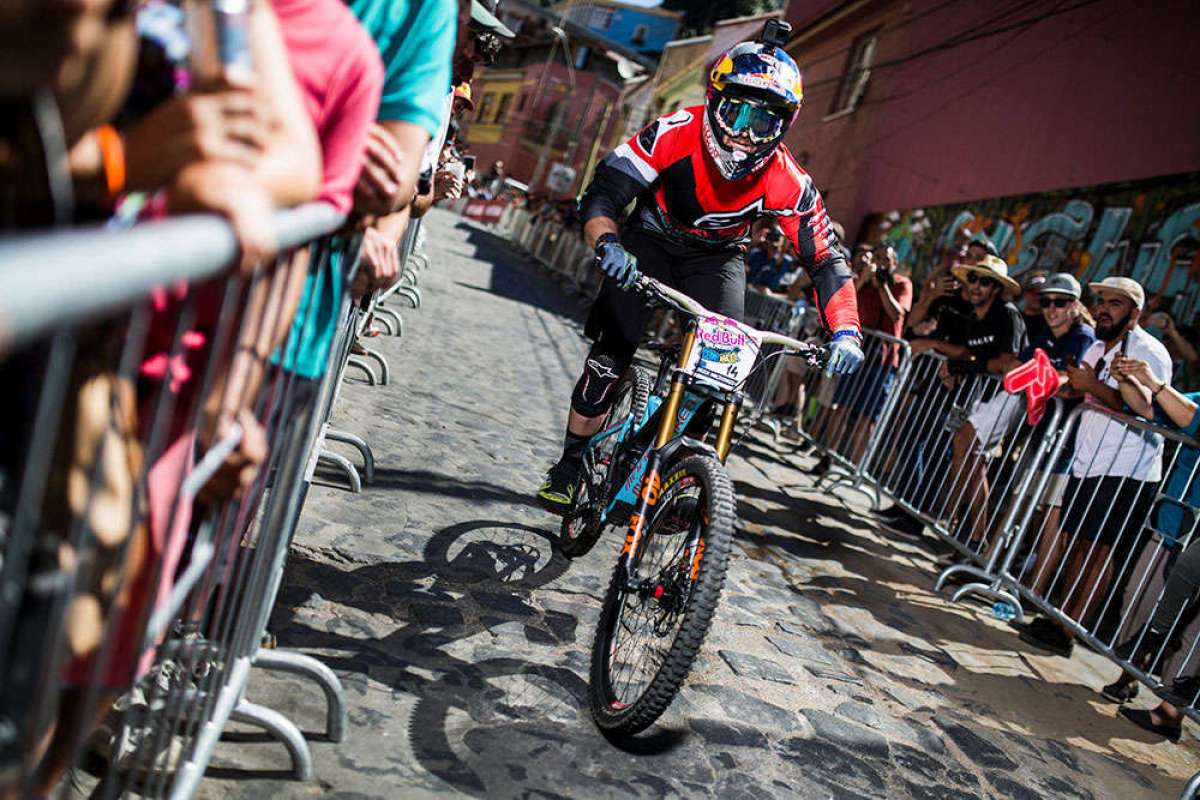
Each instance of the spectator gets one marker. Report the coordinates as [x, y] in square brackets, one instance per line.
[1031, 307]
[416, 42]
[884, 299]
[478, 44]
[767, 264]
[1181, 344]
[955, 253]
[994, 327]
[1065, 337]
[45, 44]
[492, 182]
[943, 301]
[1114, 473]
[1161, 603]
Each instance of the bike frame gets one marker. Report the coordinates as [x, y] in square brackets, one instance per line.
[684, 399]
[673, 416]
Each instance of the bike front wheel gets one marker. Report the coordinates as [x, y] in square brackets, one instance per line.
[650, 633]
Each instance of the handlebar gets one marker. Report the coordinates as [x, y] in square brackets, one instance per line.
[660, 292]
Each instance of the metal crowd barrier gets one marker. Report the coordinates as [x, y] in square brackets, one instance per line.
[1110, 557]
[775, 313]
[142, 541]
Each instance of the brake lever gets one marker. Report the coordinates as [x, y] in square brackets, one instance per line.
[817, 357]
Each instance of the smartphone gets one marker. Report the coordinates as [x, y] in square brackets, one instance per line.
[469, 162]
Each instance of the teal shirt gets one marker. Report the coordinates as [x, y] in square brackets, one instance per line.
[416, 41]
[1175, 519]
[307, 348]
[415, 38]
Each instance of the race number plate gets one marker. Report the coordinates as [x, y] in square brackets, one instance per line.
[725, 352]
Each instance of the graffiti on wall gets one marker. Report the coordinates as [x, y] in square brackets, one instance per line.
[1148, 230]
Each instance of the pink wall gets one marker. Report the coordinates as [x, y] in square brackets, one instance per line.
[1105, 92]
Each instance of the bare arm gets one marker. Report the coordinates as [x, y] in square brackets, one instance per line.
[290, 167]
[410, 140]
[891, 306]
[596, 227]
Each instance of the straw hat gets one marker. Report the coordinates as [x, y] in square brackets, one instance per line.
[991, 267]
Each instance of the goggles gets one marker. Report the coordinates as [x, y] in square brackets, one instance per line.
[760, 122]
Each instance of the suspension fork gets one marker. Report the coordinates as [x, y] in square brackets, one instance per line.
[652, 481]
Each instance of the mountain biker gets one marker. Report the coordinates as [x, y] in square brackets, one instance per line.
[701, 176]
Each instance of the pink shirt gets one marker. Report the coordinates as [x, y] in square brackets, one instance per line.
[340, 76]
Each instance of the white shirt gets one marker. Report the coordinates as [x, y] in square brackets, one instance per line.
[1104, 446]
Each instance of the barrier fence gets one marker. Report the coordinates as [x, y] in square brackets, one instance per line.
[1105, 556]
[163, 426]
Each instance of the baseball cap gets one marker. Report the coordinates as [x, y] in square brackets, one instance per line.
[483, 14]
[986, 243]
[1060, 283]
[1126, 286]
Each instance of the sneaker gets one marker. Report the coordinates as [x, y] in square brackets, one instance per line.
[1183, 692]
[1048, 636]
[557, 492]
[905, 525]
[1119, 693]
[890, 513]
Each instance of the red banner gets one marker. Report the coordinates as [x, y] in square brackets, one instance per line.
[488, 211]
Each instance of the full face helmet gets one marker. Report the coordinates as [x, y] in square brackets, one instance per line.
[754, 94]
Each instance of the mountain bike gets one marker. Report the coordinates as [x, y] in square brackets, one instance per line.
[670, 490]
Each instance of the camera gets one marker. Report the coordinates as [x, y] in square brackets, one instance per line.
[883, 274]
[775, 33]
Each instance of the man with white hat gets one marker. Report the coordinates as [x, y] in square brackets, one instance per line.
[1115, 471]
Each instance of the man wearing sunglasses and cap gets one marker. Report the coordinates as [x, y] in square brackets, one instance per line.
[701, 176]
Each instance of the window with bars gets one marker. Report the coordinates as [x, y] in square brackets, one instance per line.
[502, 109]
[485, 107]
[855, 75]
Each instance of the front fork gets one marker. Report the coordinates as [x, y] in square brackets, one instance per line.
[651, 480]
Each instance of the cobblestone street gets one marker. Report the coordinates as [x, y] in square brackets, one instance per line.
[463, 640]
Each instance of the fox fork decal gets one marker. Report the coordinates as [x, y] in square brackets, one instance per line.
[647, 497]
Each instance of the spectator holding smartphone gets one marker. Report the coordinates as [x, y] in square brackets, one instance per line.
[1112, 469]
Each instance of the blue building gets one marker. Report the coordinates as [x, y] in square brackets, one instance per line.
[641, 29]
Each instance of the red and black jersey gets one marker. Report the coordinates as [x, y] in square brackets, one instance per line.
[681, 195]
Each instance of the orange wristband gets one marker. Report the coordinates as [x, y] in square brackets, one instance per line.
[112, 153]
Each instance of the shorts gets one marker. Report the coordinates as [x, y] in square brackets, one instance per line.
[1055, 489]
[993, 419]
[1101, 509]
[864, 391]
[714, 278]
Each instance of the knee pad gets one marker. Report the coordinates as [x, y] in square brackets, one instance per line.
[594, 392]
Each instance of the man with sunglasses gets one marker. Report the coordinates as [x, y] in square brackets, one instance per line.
[767, 264]
[701, 176]
[993, 327]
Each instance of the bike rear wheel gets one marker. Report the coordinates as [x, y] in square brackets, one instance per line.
[581, 526]
[649, 636]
